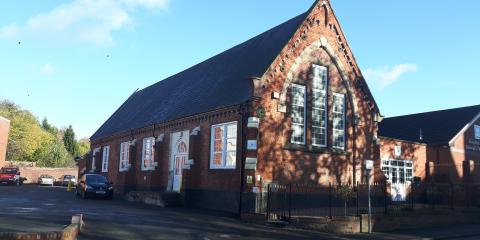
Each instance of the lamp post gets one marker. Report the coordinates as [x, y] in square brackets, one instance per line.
[369, 167]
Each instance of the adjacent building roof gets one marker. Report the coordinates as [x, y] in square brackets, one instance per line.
[436, 127]
[221, 81]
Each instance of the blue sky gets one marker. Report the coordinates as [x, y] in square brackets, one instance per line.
[79, 60]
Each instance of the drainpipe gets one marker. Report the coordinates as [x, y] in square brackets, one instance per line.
[244, 120]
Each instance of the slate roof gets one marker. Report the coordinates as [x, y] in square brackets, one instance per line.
[438, 127]
[221, 81]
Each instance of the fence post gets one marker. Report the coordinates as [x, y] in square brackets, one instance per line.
[385, 196]
[412, 196]
[290, 203]
[268, 201]
[451, 195]
[261, 208]
[358, 210]
[330, 200]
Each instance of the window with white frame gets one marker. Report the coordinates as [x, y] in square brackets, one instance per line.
[477, 132]
[319, 106]
[298, 113]
[93, 161]
[338, 121]
[106, 154]
[94, 152]
[223, 153]
[398, 171]
[124, 154]
[148, 153]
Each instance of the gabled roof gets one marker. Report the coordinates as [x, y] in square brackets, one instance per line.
[221, 81]
[438, 127]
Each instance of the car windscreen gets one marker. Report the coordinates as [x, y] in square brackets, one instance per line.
[9, 171]
[45, 176]
[96, 179]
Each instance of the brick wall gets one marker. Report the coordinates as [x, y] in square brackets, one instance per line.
[200, 182]
[4, 129]
[317, 41]
[32, 173]
[417, 152]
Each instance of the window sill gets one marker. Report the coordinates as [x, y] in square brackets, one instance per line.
[149, 169]
[222, 168]
[314, 149]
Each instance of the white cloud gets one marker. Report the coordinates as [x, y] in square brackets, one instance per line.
[85, 20]
[47, 69]
[384, 76]
[151, 4]
[9, 30]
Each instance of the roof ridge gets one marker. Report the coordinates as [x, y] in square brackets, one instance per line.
[434, 111]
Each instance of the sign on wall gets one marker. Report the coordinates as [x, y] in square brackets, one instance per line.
[477, 132]
[252, 145]
[473, 145]
[398, 151]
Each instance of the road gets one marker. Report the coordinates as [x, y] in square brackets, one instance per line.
[46, 208]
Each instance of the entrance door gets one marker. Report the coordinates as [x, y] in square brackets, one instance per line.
[177, 172]
[179, 150]
[399, 174]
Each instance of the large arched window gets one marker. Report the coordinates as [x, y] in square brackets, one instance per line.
[319, 106]
[319, 112]
[299, 103]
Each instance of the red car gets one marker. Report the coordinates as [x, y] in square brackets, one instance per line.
[11, 176]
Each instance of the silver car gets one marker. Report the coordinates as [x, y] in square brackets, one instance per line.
[46, 180]
[68, 178]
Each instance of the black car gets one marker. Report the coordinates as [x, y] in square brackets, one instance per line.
[94, 185]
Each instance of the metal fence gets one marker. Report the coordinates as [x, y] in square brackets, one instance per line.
[282, 202]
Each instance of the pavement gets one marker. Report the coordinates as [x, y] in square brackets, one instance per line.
[34, 208]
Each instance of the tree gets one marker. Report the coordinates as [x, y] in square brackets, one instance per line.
[52, 153]
[83, 147]
[48, 127]
[31, 140]
[69, 141]
[345, 192]
[25, 135]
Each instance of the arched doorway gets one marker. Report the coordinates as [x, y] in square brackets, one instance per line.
[179, 150]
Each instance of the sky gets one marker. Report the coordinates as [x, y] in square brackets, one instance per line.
[76, 61]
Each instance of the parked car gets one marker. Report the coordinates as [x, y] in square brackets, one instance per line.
[63, 180]
[11, 176]
[94, 185]
[46, 180]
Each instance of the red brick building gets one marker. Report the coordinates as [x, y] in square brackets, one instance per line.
[4, 129]
[287, 106]
[440, 146]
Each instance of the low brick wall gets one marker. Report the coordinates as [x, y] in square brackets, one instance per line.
[152, 198]
[421, 219]
[70, 232]
[32, 173]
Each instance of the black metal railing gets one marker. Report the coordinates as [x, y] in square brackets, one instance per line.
[282, 202]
